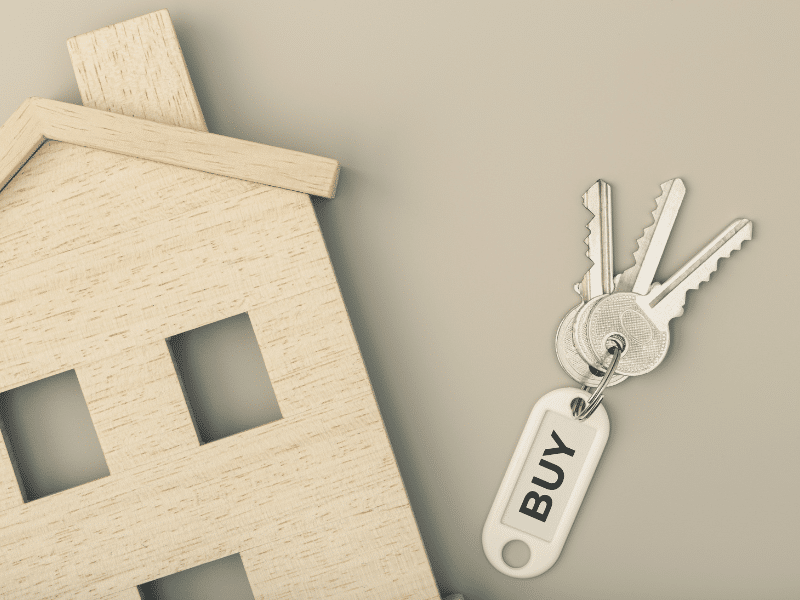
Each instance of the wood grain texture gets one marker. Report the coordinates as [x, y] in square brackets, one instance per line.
[40, 119]
[136, 68]
[20, 137]
[104, 301]
[139, 417]
[337, 574]
[92, 183]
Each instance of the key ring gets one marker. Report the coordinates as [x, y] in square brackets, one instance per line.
[583, 410]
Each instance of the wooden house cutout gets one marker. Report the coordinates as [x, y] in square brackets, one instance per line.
[123, 223]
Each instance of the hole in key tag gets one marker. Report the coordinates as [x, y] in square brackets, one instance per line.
[545, 482]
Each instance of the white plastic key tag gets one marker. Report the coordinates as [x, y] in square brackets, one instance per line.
[545, 482]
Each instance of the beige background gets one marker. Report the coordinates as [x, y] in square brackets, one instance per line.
[467, 133]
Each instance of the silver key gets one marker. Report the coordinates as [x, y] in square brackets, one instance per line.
[572, 362]
[642, 321]
[598, 280]
[580, 334]
[638, 278]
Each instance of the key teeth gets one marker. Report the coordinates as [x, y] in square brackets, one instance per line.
[638, 256]
[592, 226]
[714, 270]
[597, 200]
[579, 287]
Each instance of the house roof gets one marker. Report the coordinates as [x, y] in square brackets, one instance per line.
[39, 120]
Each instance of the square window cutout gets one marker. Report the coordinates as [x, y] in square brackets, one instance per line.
[223, 579]
[224, 378]
[50, 436]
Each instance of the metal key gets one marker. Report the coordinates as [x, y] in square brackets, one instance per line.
[598, 281]
[642, 321]
[572, 362]
[638, 278]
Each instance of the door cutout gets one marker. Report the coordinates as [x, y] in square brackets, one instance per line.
[223, 579]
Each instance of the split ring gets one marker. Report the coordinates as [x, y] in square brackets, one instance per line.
[583, 410]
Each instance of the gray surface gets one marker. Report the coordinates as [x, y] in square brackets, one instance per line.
[467, 134]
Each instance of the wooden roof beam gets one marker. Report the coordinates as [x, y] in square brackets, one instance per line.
[38, 120]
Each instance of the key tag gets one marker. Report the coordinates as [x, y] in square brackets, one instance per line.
[548, 476]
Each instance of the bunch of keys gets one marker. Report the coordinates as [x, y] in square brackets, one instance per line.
[620, 329]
